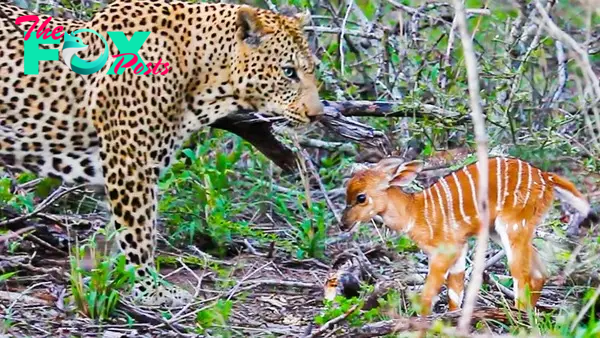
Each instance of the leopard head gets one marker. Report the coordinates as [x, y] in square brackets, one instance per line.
[274, 70]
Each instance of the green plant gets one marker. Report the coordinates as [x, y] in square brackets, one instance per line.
[311, 232]
[95, 293]
[215, 318]
[339, 307]
[202, 193]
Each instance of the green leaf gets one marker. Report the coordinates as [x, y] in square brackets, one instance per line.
[189, 153]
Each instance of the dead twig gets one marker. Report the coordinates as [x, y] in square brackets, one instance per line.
[183, 310]
[317, 177]
[334, 321]
[582, 56]
[482, 165]
[333, 30]
[274, 282]
[150, 318]
[17, 233]
[406, 324]
[344, 22]
[56, 195]
[23, 299]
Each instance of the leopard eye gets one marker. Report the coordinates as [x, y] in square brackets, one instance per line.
[361, 198]
[290, 73]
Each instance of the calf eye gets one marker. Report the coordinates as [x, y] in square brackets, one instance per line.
[361, 198]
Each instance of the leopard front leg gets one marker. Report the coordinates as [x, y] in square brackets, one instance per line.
[131, 189]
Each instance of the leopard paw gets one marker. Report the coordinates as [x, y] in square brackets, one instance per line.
[161, 295]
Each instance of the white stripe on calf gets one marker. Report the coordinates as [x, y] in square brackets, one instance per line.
[543, 183]
[518, 184]
[461, 203]
[437, 191]
[529, 180]
[450, 202]
[505, 182]
[472, 184]
[498, 184]
[426, 197]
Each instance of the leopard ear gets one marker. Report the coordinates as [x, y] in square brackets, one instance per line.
[250, 28]
[303, 18]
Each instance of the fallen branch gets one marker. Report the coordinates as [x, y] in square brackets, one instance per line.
[405, 324]
[392, 109]
[45, 203]
[22, 299]
[10, 235]
[334, 321]
[274, 282]
[346, 148]
[335, 119]
[11, 263]
[260, 135]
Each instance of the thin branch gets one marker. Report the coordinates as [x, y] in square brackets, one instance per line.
[563, 75]
[344, 22]
[582, 54]
[482, 164]
[334, 30]
[413, 324]
[334, 321]
[317, 177]
[46, 203]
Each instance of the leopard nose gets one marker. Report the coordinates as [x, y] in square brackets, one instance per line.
[315, 110]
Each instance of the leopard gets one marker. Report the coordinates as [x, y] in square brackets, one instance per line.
[121, 131]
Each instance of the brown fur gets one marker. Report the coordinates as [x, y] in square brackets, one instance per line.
[442, 217]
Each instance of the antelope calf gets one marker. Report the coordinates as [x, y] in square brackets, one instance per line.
[442, 217]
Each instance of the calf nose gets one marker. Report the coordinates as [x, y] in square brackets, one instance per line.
[345, 225]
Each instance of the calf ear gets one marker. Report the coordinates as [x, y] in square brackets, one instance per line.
[406, 173]
[356, 167]
[250, 28]
[389, 165]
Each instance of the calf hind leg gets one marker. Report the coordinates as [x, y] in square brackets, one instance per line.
[525, 265]
[539, 275]
[456, 280]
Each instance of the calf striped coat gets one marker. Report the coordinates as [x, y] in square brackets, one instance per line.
[441, 218]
